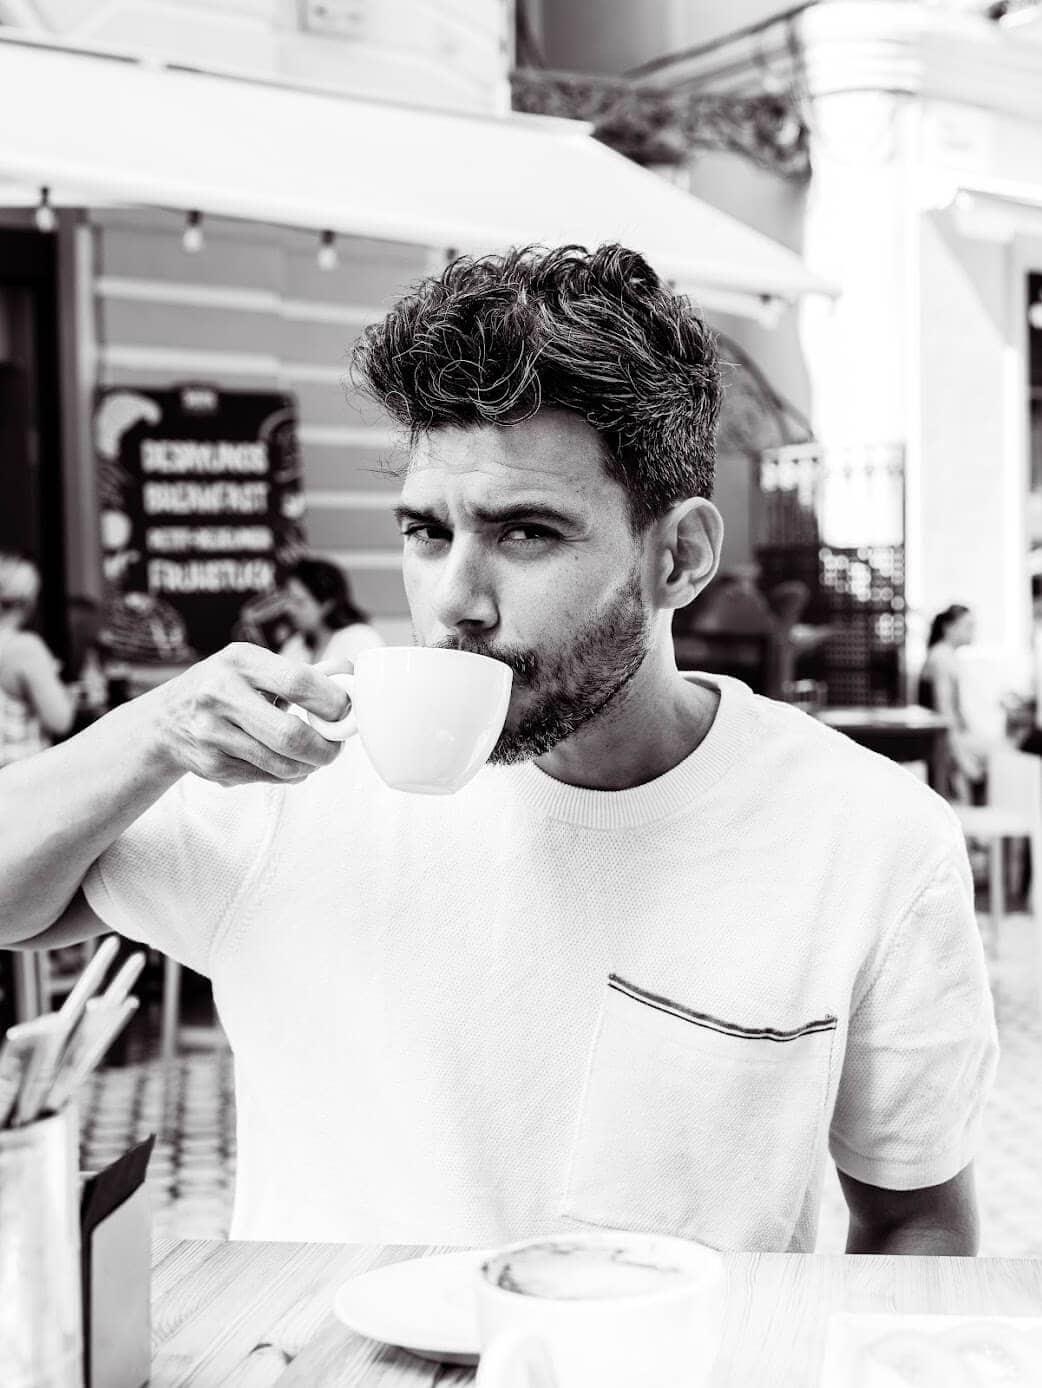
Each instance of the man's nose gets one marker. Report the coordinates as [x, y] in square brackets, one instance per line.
[465, 598]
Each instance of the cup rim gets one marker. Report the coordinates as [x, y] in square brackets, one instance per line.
[710, 1275]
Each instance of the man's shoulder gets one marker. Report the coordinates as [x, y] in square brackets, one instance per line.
[834, 775]
[195, 809]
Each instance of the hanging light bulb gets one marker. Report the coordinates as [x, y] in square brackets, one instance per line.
[192, 240]
[44, 216]
[327, 256]
[1035, 313]
[789, 130]
[1010, 13]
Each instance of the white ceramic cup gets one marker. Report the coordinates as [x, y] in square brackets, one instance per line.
[428, 718]
[667, 1336]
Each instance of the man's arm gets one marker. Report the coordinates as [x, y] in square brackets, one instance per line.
[64, 807]
[935, 1219]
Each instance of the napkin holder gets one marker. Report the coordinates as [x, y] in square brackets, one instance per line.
[116, 1272]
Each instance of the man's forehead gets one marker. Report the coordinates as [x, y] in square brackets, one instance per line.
[554, 450]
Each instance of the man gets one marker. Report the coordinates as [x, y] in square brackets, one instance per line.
[648, 963]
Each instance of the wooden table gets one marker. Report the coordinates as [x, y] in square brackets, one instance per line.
[911, 733]
[249, 1315]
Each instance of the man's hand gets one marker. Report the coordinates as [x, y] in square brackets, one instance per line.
[219, 719]
[938, 1220]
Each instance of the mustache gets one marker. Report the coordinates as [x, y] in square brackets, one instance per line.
[525, 664]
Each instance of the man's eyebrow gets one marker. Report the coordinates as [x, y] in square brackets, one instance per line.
[512, 514]
[524, 511]
[410, 513]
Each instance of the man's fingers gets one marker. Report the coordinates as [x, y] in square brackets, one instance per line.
[241, 773]
[238, 745]
[284, 733]
[291, 680]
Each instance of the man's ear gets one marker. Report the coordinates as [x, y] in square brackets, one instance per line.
[687, 542]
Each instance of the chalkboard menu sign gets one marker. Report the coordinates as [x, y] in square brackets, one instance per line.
[201, 509]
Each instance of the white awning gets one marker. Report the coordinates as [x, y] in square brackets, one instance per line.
[101, 128]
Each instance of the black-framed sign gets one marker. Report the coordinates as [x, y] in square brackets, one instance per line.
[201, 509]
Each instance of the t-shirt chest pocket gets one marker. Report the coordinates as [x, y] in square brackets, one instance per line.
[696, 1126]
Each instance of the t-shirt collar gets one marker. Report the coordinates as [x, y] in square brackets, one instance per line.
[730, 734]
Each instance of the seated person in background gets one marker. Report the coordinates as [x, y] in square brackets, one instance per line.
[85, 668]
[328, 625]
[670, 948]
[939, 690]
[35, 707]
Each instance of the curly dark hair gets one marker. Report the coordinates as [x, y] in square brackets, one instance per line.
[491, 340]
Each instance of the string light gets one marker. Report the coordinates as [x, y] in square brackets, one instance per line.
[327, 254]
[192, 240]
[44, 216]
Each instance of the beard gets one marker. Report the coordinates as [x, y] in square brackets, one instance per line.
[571, 687]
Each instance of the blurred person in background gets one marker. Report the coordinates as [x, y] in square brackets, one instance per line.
[939, 690]
[328, 625]
[85, 669]
[35, 707]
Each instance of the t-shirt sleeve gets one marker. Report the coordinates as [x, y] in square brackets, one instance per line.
[185, 867]
[921, 1050]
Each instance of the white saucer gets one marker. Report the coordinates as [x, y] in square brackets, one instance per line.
[424, 1305]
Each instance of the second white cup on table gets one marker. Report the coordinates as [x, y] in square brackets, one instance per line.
[428, 717]
[611, 1309]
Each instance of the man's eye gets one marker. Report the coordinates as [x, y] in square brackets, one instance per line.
[528, 534]
[425, 534]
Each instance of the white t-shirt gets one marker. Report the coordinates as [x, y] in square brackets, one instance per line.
[346, 644]
[529, 1007]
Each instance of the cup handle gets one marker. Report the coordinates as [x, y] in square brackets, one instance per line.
[344, 727]
[516, 1359]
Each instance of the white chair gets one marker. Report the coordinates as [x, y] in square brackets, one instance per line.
[168, 1043]
[1013, 811]
[38, 987]
[39, 982]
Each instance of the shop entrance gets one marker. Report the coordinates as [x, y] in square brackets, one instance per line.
[31, 516]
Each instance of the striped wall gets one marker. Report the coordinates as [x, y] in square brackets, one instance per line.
[252, 310]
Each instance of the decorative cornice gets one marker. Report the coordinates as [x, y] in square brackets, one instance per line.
[664, 125]
[753, 96]
[895, 46]
[922, 50]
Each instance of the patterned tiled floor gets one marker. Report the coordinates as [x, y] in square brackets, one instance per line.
[192, 1172]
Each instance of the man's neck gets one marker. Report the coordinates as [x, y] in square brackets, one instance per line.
[653, 723]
